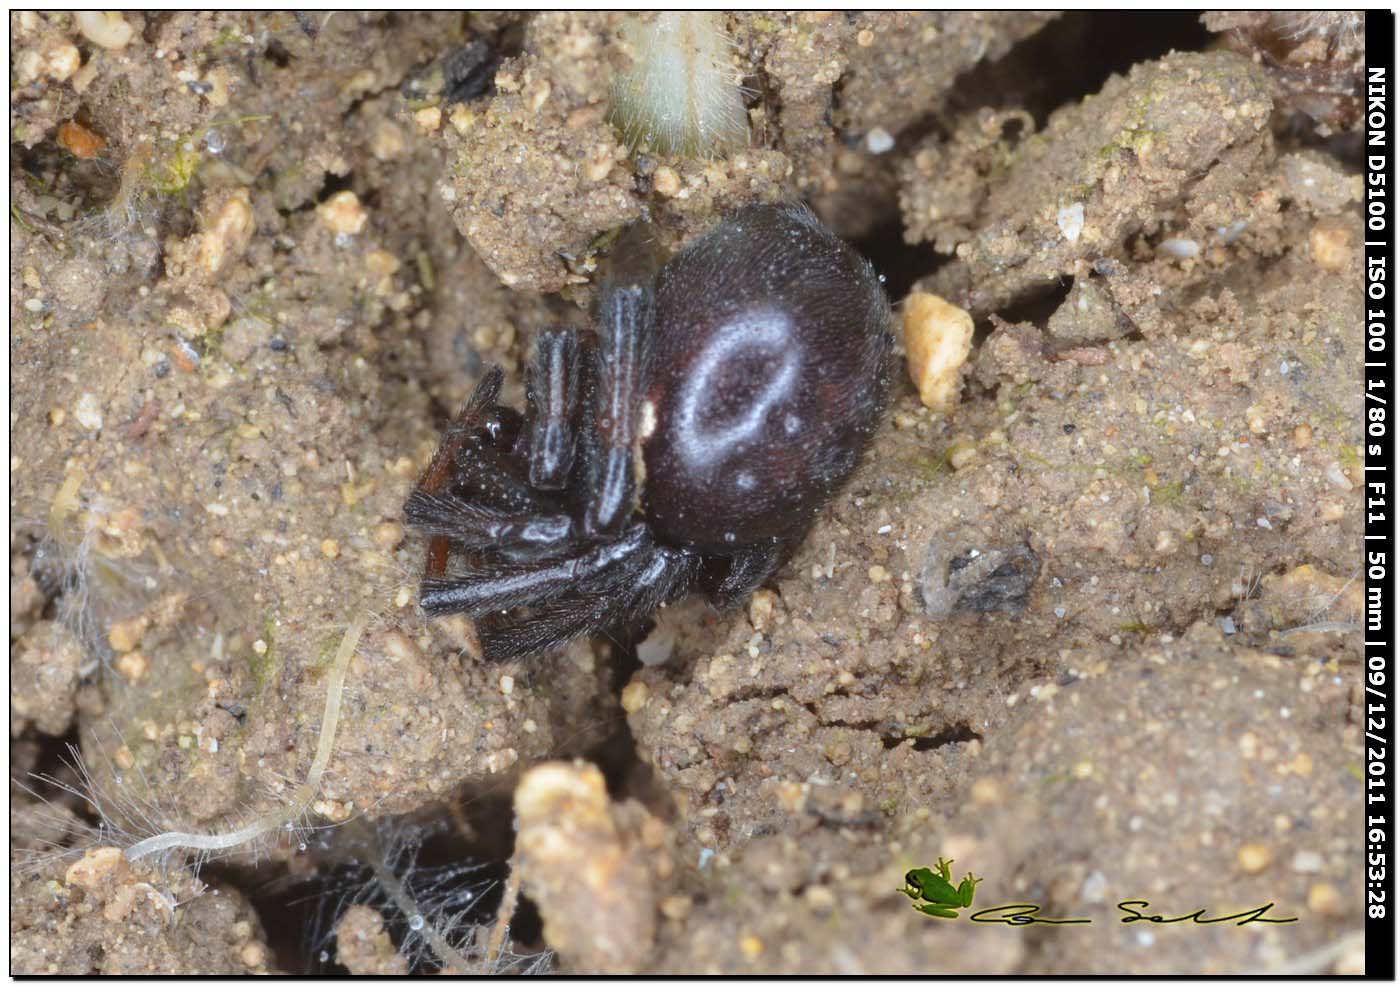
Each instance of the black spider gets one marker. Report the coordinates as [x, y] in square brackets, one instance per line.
[686, 444]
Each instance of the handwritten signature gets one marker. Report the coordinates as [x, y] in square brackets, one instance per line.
[1021, 915]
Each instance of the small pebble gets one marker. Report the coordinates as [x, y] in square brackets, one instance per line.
[961, 455]
[124, 635]
[666, 182]
[429, 118]
[1307, 861]
[762, 605]
[938, 340]
[343, 214]
[879, 141]
[253, 954]
[79, 141]
[88, 411]
[1331, 246]
[132, 665]
[635, 696]
[330, 548]
[60, 60]
[1254, 857]
[1337, 478]
[96, 867]
[227, 233]
[1324, 898]
[389, 534]
[106, 29]
[986, 791]
[1095, 889]
[1070, 219]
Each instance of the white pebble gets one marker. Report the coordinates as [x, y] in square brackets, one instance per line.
[878, 141]
[1071, 221]
[657, 648]
[1337, 478]
[107, 29]
[88, 412]
[1307, 861]
[1231, 233]
[1181, 248]
[1095, 887]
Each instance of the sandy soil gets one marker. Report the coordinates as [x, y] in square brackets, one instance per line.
[1093, 632]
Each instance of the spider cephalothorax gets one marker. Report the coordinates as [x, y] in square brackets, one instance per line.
[686, 443]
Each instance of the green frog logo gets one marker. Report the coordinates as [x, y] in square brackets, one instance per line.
[933, 893]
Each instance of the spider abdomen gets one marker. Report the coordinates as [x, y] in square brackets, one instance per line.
[765, 379]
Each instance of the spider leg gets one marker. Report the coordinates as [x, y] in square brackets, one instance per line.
[625, 327]
[553, 396]
[633, 590]
[747, 571]
[475, 526]
[497, 587]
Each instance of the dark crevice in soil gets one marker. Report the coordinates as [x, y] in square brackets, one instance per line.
[959, 732]
[627, 775]
[331, 185]
[1069, 59]
[898, 263]
[277, 54]
[459, 867]
[1077, 53]
[1035, 308]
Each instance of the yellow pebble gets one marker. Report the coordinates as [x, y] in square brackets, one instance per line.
[1324, 898]
[666, 182]
[1254, 857]
[343, 214]
[132, 665]
[635, 695]
[253, 954]
[938, 340]
[429, 118]
[1331, 246]
[986, 791]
